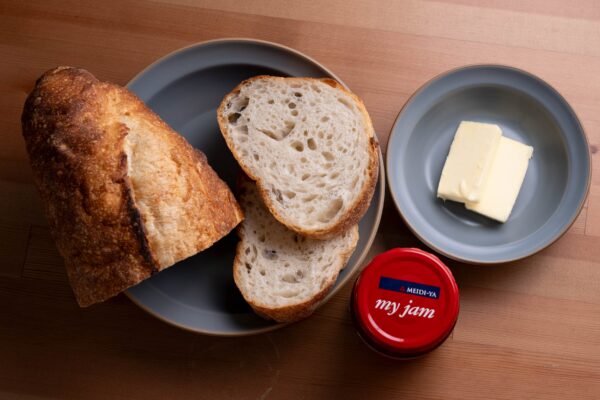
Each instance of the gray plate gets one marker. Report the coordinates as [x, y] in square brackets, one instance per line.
[185, 88]
[527, 109]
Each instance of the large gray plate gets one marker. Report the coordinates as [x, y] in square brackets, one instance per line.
[527, 109]
[185, 88]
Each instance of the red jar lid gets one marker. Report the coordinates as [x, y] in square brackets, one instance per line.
[405, 302]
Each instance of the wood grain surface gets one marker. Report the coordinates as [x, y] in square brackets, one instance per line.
[529, 329]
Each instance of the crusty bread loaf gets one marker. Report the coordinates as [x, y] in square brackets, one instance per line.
[310, 146]
[124, 194]
[281, 274]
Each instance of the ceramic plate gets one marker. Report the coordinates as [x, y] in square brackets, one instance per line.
[528, 110]
[185, 89]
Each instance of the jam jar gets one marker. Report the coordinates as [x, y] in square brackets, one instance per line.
[405, 303]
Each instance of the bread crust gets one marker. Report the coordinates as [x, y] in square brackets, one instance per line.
[75, 139]
[361, 203]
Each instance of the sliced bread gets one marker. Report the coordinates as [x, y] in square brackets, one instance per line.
[283, 275]
[310, 146]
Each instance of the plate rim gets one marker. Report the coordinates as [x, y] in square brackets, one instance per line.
[380, 187]
[562, 100]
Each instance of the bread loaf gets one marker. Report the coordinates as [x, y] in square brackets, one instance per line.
[281, 274]
[310, 146]
[125, 195]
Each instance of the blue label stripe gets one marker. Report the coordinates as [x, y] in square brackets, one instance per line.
[417, 289]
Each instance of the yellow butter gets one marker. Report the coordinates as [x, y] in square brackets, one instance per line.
[469, 161]
[504, 181]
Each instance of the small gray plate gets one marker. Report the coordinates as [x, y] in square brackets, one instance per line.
[185, 89]
[528, 110]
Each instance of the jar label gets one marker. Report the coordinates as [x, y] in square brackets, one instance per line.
[400, 309]
[417, 289]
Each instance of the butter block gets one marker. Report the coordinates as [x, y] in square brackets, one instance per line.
[469, 161]
[504, 181]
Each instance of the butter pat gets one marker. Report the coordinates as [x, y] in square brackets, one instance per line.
[504, 181]
[469, 161]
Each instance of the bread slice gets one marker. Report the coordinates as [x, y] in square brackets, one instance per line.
[310, 146]
[281, 274]
[125, 195]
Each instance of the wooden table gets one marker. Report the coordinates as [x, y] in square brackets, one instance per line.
[530, 329]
